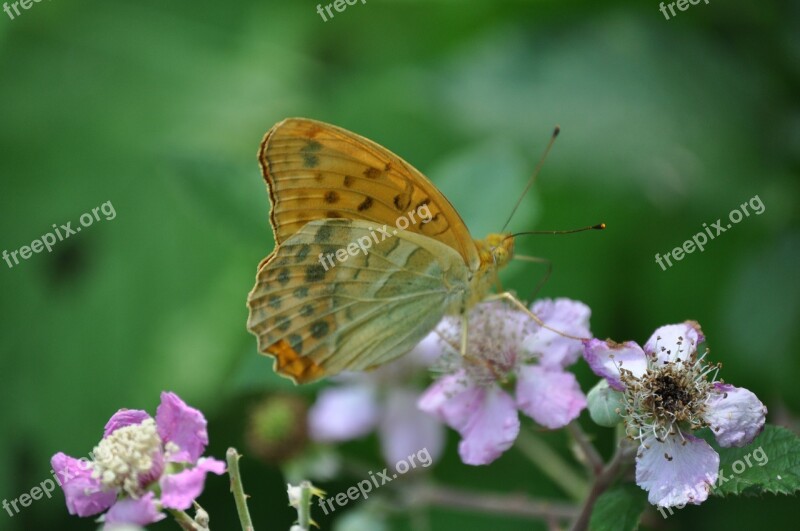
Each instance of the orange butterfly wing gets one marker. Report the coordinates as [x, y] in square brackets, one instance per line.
[316, 171]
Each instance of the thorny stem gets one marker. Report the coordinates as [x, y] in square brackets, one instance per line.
[304, 507]
[593, 460]
[184, 520]
[232, 456]
[601, 483]
[552, 464]
[518, 505]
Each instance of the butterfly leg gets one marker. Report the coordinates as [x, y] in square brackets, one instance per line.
[510, 297]
[464, 325]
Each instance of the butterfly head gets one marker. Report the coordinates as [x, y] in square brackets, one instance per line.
[496, 249]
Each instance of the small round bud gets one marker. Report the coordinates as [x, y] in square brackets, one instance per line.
[277, 428]
[605, 405]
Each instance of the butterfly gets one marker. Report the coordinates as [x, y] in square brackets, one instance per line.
[330, 192]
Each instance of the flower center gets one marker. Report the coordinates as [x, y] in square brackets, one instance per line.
[493, 336]
[670, 395]
[129, 458]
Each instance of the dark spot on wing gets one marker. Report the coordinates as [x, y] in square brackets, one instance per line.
[301, 292]
[365, 204]
[306, 310]
[310, 161]
[331, 197]
[296, 342]
[319, 329]
[348, 180]
[400, 202]
[324, 233]
[372, 173]
[315, 273]
[312, 146]
[303, 253]
[274, 301]
[283, 276]
[283, 323]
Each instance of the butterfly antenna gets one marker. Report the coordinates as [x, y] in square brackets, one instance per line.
[599, 226]
[533, 177]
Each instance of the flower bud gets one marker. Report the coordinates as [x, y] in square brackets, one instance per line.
[605, 405]
[277, 428]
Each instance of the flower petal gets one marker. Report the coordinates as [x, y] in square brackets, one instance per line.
[84, 494]
[566, 315]
[142, 511]
[124, 417]
[674, 473]
[343, 413]
[606, 357]
[735, 415]
[183, 425]
[676, 341]
[486, 417]
[428, 350]
[405, 430]
[451, 399]
[179, 490]
[492, 428]
[552, 398]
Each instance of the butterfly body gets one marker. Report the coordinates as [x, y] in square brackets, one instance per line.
[348, 286]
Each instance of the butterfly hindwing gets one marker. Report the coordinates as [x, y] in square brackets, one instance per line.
[320, 316]
[319, 171]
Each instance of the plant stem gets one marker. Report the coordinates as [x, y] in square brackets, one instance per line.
[601, 483]
[232, 456]
[552, 464]
[518, 505]
[184, 520]
[304, 507]
[594, 463]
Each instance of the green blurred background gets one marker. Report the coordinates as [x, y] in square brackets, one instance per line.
[159, 107]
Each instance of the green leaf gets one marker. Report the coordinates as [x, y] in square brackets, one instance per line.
[618, 509]
[771, 463]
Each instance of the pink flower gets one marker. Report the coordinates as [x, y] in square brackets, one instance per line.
[383, 400]
[507, 353]
[137, 457]
[668, 395]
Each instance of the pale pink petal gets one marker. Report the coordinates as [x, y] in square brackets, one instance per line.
[427, 351]
[183, 425]
[567, 316]
[552, 398]
[343, 413]
[142, 511]
[124, 417]
[452, 399]
[675, 341]
[736, 415]
[84, 494]
[486, 417]
[492, 428]
[179, 490]
[405, 430]
[676, 473]
[606, 358]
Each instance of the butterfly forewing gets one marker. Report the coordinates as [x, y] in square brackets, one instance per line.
[318, 318]
[318, 171]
